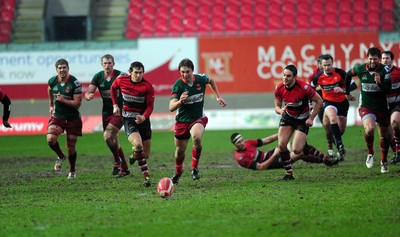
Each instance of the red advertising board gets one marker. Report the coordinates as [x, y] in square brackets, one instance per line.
[255, 64]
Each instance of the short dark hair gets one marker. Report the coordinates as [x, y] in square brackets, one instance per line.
[107, 56]
[390, 53]
[137, 65]
[319, 59]
[61, 61]
[186, 63]
[235, 136]
[291, 68]
[374, 51]
[327, 57]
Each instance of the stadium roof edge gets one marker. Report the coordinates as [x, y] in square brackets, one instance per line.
[68, 45]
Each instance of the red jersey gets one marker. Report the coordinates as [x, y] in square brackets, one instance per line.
[315, 73]
[251, 154]
[296, 99]
[2, 95]
[137, 98]
[329, 82]
[394, 95]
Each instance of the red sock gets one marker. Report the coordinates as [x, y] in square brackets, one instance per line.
[124, 165]
[384, 149]
[195, 157]
[396, 140]
[285, 156]
[56, 148]
[178, 166]
[370, 143]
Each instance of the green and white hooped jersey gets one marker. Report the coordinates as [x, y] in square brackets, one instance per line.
[193, 108]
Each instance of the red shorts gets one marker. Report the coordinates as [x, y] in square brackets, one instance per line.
[381, 117]
[114, 120]
[72, 127]
[182, 130]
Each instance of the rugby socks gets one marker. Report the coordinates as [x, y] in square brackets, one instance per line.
[384, 149]
[393, 144]
[72, 162]
[196, 152]
[179, 166]
[369, 140]
[315, 156]
[337, 135]
[121, 155]
[56, 148]
[142, 163]
[285, 156]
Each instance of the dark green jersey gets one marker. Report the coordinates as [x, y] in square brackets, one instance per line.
[373, 95]
[104, 85]
[67, 90]
[193, 108]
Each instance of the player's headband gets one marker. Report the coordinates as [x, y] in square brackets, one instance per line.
[235, 137]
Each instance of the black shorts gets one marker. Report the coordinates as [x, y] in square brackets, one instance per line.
[144, 129]
[342, 108]
[297, 124]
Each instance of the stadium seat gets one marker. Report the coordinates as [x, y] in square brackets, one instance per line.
[260, 23]
[205, 10]
[317, 22]
[149, 12]
[345, 22]
[246, 9]
[303, 7]
[177, 12]
[387, 5]
[275, 7]
[203, 24]
[359, 21]
[274, 23]
[163, 12]
[330, 22]
[373, 20]
[218, 24]
[344, 6]
[232, 24]
[246, 24]
[135, 12]
[9, 4]
[233, 9]
[161, 27]
[5, 28]
[7, 15]
[147, 29]
[189, 25]
[261, 9]
[303, 22]
[330, 7]
[387, 21]
[4, 38]
[289, 22]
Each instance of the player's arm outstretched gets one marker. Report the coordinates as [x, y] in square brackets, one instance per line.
[214, 88]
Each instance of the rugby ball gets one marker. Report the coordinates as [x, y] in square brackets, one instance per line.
[165, 187]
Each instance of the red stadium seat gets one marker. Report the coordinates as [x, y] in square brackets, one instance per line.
[373, 20]
[217, 24]
[232, 24]
[302, 22]
[261, 9]
[7, 15]
[163, 12]
[147, 29]
[260, 23]
[345, 22]
[387, 5]
[274, 23]
[161, 27]
[275, 7]
[189, 25]
[387, 21]
[232, 9]
[203, 24]
[205, 10]
[9, 4]
[4, 38]
[5, 28]
[289, 22]
[317, 22]
[246, 9]
[135, 12]
[177, 12]
[330, 22]
[345, 6]
[176, 25]
[246, 24]
[303, 7]
[330, 7]
[359, 20]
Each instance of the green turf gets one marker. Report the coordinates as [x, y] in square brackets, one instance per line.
[345, 200]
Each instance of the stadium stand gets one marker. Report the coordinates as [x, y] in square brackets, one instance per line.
[22, 21]
[246, 17]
